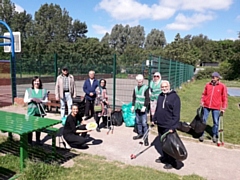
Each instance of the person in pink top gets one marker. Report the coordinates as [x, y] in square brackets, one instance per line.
[214, 99]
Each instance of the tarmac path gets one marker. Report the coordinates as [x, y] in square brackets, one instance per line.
[204, 159]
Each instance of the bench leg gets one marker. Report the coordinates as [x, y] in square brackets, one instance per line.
[23, 151]
[54, 145]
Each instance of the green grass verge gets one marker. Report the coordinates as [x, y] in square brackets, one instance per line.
[88, 167]
[190, 95]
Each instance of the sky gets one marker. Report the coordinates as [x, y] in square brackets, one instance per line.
[216, 19]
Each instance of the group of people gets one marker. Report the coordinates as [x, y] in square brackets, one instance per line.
[164, 105]
[65, 90]
[158, 98]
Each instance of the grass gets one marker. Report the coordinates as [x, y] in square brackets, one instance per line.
[88, 167]
[190, 95]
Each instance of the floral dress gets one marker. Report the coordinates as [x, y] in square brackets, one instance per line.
[101, 100]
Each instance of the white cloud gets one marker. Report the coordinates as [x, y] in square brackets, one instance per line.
[100, 29]
[18, 8]
[183, 22]
[197, 5]
[131, 10]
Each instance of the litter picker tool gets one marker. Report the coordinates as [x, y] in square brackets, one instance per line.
[136, 151]
[110, 125]
[220, 141]
[41, 110]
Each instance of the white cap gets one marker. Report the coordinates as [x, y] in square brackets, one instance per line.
[139, 77]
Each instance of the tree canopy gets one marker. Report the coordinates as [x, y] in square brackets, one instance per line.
[53, 30]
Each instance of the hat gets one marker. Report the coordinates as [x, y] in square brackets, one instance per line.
[139, 77]
[216, 74]
[64, 68]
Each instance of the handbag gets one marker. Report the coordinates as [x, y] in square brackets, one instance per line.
[173, 146]
[97, 108]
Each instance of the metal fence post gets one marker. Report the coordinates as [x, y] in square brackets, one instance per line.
[159, 64]
[169, 70]
[175, 78]
[150, 70]
[55, 67]
[114, 81]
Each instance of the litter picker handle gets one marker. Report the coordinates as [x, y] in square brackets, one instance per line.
[41, 109]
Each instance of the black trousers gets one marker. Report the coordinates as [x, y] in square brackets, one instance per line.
[97, 119]
[169, 159]
[89, 106]
[75, 140]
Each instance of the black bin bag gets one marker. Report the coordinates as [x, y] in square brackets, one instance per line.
[197, 124]
[117, 118]
[173, 146]
[183, 126]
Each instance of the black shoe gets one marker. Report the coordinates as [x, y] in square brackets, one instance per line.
[98, 129]
[167, 166]
[146, 143]
[84, 146]
[137, 137]
[201, 139]
[161, 160]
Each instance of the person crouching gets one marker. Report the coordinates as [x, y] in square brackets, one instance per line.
[73, 127]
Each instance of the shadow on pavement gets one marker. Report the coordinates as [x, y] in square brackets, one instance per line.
[38, 153]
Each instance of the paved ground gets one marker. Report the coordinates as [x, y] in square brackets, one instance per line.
[204, 159]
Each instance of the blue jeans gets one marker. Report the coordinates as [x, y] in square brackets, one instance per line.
[66, 98]
[215, 117]
[141, 121]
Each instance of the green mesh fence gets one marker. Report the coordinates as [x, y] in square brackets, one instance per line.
[124, 68]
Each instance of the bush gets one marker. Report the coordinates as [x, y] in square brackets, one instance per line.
[207, 73]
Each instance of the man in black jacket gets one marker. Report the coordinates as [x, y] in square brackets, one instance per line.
[167, 117]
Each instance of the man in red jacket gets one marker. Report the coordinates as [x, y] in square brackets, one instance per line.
[214, 98]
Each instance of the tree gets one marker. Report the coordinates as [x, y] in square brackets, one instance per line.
[7, 11]
[52, 26]
[155, 39]
[78, 30]
[136, 36]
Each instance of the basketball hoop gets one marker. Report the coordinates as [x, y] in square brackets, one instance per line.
[17, 42]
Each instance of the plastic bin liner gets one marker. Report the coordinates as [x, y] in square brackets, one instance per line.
[197, 124]
[128, 116]
[173, 146]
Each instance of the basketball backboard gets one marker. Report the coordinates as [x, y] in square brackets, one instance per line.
[17, 42]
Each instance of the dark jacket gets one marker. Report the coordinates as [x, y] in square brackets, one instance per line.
[88, 88]
[70, 125]
[167, 113]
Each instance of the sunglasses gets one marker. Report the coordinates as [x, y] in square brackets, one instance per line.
[65, 69]
[155, 76]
